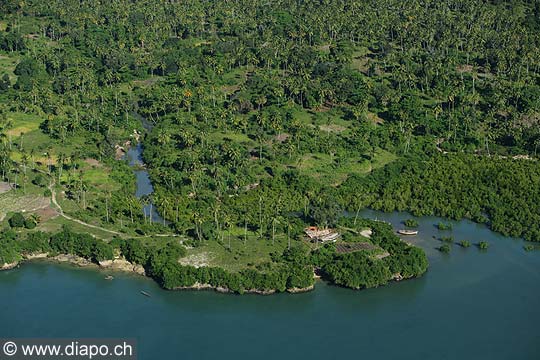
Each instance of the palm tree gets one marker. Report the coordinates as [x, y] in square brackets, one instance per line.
[49, 160]
[164, 204]
[145, 200]
[61, 158]
[197, 220]
[83, 188]
[24, 162]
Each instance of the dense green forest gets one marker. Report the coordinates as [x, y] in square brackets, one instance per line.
[503, 193]
[258, 118]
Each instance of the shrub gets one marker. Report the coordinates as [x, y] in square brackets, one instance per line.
[447, 239]
[29, 224]
[465, 243]
[412, 223]
[444, 248]
[483, 245]
[17, 221]
[444, 226]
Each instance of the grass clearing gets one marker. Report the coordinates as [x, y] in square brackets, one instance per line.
[219, 138]
[98, 177]
[55, 225]
[382, 158]
[301, 115]
[254, 251]
[23, 123]
[333, 170]
[39, 144]
[13, 201]
[235, 77]
[8, 62]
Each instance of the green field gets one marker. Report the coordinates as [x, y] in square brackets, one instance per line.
[332, 170]
[23, 124]
[8, 62]
[241, 254]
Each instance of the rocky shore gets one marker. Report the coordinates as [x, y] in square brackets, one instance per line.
[8, 266]
[199, 286]
[300, 290]
[121, 264]
[72, 259]
[220, 289]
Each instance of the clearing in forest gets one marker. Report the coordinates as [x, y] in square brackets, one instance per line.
[11, 202]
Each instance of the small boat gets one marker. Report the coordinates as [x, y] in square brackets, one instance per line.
[407, 232]
[145, 293]
[109, 277]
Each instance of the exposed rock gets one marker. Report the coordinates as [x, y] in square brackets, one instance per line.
[73, 259]
[366, 233]
[221, 289]
[7, 266]
[122, 264]
[136, 135]
[198, 286]
[119, 152]
[300, 290]
[260, 292]
[36, 256]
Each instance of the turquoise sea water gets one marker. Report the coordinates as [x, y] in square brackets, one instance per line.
[470, 305]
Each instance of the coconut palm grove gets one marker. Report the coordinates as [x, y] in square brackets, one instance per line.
[232, 145]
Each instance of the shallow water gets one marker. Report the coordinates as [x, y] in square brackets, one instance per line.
[471, 304]
[144, 185]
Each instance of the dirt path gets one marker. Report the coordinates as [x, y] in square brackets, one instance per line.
[4, 187]
[61, 213]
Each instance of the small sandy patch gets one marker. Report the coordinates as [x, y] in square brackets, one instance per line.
[196, 260]
[93, 162]
[120, 152]
[4, 187]
[230, 89]
[325, 48]
[46, 213]
[464, 68]
[282, 137]
[366, 233]
[382, 256]
[332, 128]
[374, 118]
[147, 82]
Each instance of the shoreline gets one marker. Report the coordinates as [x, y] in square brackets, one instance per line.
[9, 266]
[124, 266]
[224, 290]
[120, 264]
